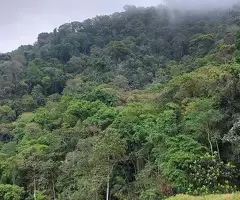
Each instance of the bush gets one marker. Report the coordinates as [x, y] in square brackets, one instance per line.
[210, 175]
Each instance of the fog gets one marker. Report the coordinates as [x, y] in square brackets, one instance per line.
[200, 4]
[22, 20]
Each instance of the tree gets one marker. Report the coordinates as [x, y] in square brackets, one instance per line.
[76, 65]
[31, 169]
[233, 138]
[109, 150]
[209, 175]
[201, 118]
[124, 106]
[11, 192]
[7, 114]
[11, 76]
[101, 95]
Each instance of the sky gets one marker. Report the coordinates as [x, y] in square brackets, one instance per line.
[22, 20]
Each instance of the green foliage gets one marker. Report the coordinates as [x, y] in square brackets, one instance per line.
[209, 175]
[81, 110]
[103, 118]
[141, 104]
[148, 195]
[11, 192]
[7, 114]
[201, 44]
[174, 156]
[103, 96]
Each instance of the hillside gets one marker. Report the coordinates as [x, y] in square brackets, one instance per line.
[138, 105]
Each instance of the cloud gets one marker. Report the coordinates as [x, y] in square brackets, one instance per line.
[200, 4]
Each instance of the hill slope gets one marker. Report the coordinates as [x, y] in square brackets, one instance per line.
[142, 104]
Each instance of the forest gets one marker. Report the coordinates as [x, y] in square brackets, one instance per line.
[142, 104]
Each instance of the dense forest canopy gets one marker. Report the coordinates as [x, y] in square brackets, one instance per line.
[137, 105]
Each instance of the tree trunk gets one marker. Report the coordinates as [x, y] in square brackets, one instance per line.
[53, 189]
[210, 142]
[35, 187]
[108, 187]
[108, 181]
[218, 150]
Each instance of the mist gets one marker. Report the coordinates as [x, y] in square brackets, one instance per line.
[21, 21]
[200, 4]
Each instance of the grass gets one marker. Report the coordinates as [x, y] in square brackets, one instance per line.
[235, 196]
